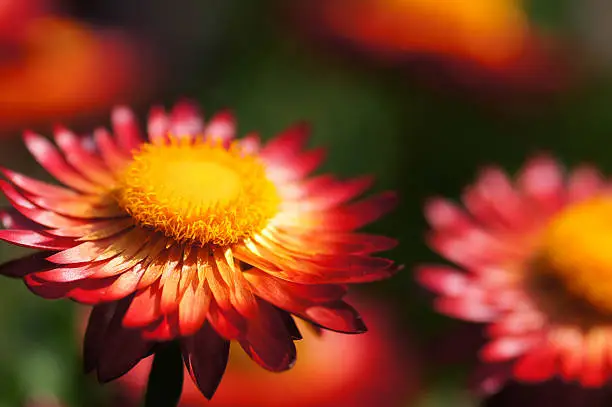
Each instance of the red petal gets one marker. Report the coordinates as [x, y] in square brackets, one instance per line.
[12, 219]
[186, 120]
[222, 126]
[193, 308]
[584, 182]
[538, 365]
[361, 213]
[542, 181]
[126, 129]
[286, 144]
[443, 279]
[507, 348]
[227, 322]
[144, 308]
[268, 342]
[112, 155]
[23, 266]
[29, 210]
[206, 355]
[48, 156]
[111, 349]
[323, 195]
[165, 329]
[336, 316]
[37, 187]
[158, 125]
[86, 163]
[291, 296]
[35, 240]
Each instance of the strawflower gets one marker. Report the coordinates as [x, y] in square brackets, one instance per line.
[195, 236]
[534, 265]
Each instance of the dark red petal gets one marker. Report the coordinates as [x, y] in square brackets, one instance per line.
[98, 323]
[205, 355]
[268, 342]
[111, 349]
[336, 316]
[21, 267]
[291, 326]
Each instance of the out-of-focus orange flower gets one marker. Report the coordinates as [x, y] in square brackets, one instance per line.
[489, 31]
[478, 41]
[374, 369]
[64, 70]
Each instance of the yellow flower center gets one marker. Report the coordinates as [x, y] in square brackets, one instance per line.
[198, 191]
[577, 250]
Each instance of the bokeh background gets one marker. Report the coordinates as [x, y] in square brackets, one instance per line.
[420, 93]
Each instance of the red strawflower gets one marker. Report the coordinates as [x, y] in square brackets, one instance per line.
[193, 235]
[536, 267]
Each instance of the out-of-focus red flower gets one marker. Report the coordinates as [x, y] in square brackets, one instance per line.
[476, 40]
[533, 264]
[17, 15]
[65, 70]
[378, 368]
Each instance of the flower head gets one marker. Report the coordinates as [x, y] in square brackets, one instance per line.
[537, 269]
[192, 235]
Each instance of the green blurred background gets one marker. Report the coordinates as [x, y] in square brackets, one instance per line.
[374, 118]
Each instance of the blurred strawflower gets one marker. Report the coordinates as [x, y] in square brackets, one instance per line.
[193, 235]
[468, 42]
[379, 367]
[536, 264]
[81, 70]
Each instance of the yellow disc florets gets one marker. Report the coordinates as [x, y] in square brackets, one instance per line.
[198, 191]
[577, 249]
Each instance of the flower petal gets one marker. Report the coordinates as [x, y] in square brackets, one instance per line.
[48, 156]
[126, 129]
[268, 342]
[186, 120]
[23, 266]
[206, 355]
[222, 127]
